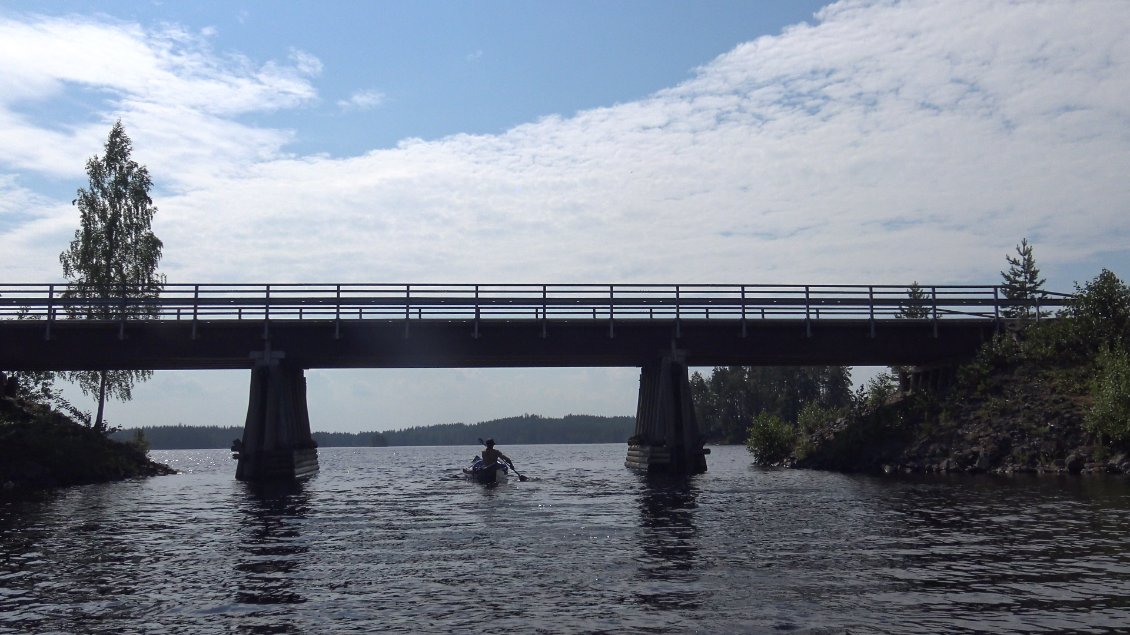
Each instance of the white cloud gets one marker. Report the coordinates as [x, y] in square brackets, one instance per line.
[874, 145]
[362, 100]
[890, 141]
[176, 95]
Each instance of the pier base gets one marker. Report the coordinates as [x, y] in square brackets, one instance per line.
[277, 443]
[667, 439]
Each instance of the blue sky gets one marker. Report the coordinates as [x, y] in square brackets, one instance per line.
[396, 70]
[861, 141]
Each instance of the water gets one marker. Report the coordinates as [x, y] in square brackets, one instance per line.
[392, 540]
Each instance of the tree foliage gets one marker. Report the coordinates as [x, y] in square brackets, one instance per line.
[1109, 417]
[1100, 313]
[526, 429]
[729, 400]
[1022, 282]
[917, 305]
[113, 258]
[770, 439]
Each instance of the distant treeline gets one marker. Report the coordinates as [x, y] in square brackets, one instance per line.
[526, 429]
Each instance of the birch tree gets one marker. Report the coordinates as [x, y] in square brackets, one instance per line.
[112, 262]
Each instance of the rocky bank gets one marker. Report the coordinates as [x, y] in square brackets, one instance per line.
[1028, 420]
[41, 448]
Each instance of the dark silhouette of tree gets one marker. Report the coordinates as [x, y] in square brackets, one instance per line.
[917, 305]
[1022, 282]
[727, 402]
[113, 258]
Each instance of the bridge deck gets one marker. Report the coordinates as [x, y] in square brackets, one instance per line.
[51, 327]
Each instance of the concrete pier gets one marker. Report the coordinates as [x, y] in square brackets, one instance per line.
[667, 438]
[277, 443]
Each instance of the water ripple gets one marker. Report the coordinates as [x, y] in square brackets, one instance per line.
[391, 540]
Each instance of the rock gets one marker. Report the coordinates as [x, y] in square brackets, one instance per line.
[1074, 463]
[984, 461]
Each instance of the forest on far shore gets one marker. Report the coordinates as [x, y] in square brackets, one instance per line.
[522, 430]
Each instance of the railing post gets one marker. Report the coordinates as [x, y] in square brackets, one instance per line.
[678, 313]
[195, 307]
[50, 310]
[122, 314]
[743, 312]
[337, 312]
[934, 297]
[407, 308]
[476, 333]
[611, 310]
[544, 308]
[996, 308]
[871, 306]
[807, 316]
[266, 312]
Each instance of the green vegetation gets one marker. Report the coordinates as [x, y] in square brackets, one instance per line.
[113, 257]
[1022, 282]
[727, 403]
[1048, 395]
[771, 440]
[41, 447]
[917, 305]
[526, 429]
[1109, 418]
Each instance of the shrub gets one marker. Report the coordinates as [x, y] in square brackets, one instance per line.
[880, 389]
[812, 417]
[1110, 415]
[1100, 312]
[770, 439]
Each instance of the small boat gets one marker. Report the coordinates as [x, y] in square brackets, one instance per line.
[478, 472]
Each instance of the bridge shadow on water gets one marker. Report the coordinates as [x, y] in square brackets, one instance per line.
[668, 536]
[271, 553]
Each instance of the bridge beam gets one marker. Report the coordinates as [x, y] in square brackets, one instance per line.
[667, 439]
[276, 442]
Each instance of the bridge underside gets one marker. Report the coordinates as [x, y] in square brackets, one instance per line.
[174, 345]
[277, 440]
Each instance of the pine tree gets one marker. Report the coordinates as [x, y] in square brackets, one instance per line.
[917, 304]
[113, 257]
[1022, 282]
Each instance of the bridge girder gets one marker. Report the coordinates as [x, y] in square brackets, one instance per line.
[184, 345]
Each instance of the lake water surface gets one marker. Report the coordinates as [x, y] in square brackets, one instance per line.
[392, 540]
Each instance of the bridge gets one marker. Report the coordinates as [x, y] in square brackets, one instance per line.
[277, 331]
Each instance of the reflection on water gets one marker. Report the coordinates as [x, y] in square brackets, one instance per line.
[669, 541]
[272, 550]
[385, 540]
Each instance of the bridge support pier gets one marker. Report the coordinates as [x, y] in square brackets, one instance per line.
[667, 439]
[276, 443]
[935, 378]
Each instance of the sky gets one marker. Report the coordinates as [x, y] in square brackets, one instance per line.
[856, 142]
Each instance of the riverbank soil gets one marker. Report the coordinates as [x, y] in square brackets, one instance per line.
[41, 448]
[1025, 419]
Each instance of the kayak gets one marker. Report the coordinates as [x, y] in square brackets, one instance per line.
[497, 473]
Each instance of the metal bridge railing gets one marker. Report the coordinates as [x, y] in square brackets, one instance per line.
[431, 301]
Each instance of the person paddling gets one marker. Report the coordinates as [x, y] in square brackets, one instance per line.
[491, 457]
